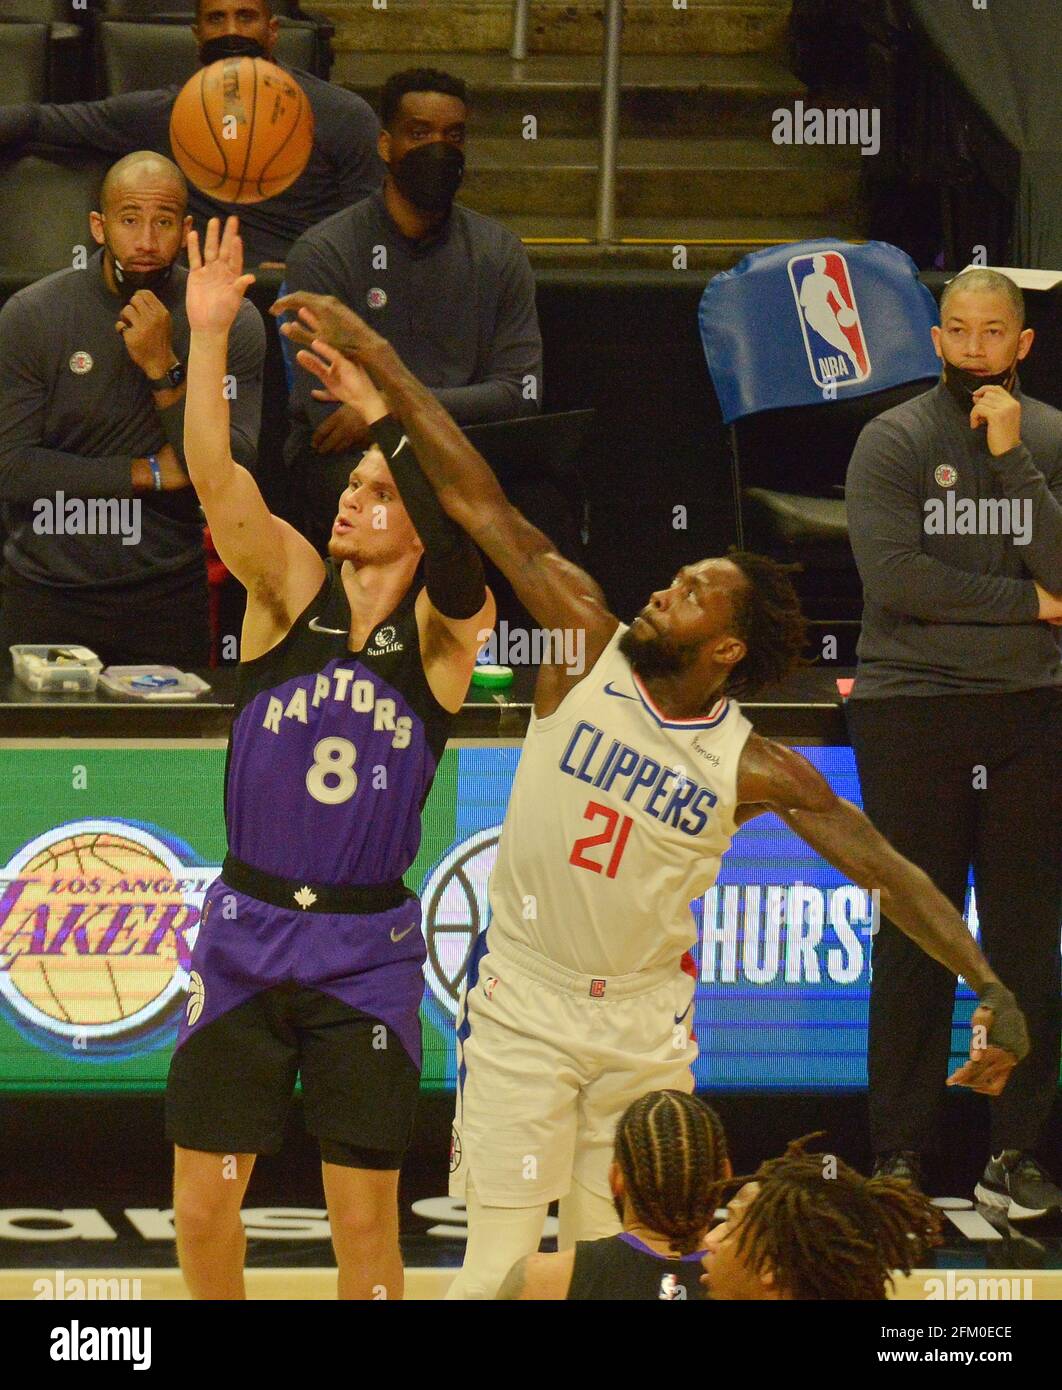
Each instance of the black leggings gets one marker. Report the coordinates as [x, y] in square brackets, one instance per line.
[952, 781]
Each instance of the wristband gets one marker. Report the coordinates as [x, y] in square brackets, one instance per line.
[156, 471]
[387, 433]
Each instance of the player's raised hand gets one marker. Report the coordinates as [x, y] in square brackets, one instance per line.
[216, 282]
[324, 316]
[999, 1040]
[343, 379]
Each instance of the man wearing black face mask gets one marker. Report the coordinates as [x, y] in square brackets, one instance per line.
[343, 166]
[453, 290]
[955, 515]
[106, 534]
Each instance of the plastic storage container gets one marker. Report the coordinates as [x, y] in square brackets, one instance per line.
[34, 668]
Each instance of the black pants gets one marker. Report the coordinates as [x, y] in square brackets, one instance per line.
[952, 781]
[163, 620]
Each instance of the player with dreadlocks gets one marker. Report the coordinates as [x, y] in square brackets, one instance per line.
[637, 769]
[805, 1228]
[669, 1160]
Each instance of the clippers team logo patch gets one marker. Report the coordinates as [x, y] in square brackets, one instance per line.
[489, 986]
[946, 475]
[829, 319]
[376, 299]
[81, 362]
[455, 1150]
[597, 989]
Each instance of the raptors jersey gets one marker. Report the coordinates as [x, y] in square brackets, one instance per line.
[332, 752]
[618, 818]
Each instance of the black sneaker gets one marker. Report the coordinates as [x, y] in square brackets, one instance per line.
[904, 1164]
[1017, 1185]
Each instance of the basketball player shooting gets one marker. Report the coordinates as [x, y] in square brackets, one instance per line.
[635, 773]
[309, 957]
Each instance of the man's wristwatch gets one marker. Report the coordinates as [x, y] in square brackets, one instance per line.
[169, 380]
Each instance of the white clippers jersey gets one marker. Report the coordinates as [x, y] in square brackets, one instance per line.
[618, 818]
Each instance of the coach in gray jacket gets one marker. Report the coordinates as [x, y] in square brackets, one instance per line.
[955, 515]
[105, 543]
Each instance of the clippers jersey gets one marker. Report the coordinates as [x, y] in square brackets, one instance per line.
[332, 752]
[618, 818]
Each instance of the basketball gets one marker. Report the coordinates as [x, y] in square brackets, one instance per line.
[241, 130]
[846, 317]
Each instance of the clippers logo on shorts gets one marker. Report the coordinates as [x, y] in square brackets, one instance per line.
[597, 989]
[81, 362]
[829, 319]
[489, 986]
[97, 923]
[946, 475]
[670, 1288]
[455, 1150]
[376, 299]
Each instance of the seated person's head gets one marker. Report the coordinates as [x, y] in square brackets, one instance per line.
[423, 116]
[142, 222]
[808, 1226]
[670, 1157]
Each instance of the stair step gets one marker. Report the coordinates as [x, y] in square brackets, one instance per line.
[688, 95]
[712, 243]
[558, 26]
[660, 178]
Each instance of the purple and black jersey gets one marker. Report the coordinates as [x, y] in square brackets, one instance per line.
[332, 753]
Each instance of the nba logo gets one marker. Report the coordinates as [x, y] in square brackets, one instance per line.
[829, 319]
[671, 1289]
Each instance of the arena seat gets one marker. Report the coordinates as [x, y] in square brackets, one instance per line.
[136, 56]
[23, 62]
[46, 196]
[67, 47]
[792, 430]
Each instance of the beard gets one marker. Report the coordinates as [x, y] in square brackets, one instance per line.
[656, 655]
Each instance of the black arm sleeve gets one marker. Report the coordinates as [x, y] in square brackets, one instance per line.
[453, 568]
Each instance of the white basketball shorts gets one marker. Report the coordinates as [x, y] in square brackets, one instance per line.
[547, 1062]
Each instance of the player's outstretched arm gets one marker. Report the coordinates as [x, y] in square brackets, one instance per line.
[260, 549]
[778, 779]
[555, 592]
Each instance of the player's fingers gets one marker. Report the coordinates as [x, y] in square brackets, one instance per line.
[297, 333]
[195, 260]
[244, 283]
[325, 351]
[210, 247]
[312, 363]
[229, 237]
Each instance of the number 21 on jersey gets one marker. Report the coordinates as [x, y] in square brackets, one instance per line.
[594, 810]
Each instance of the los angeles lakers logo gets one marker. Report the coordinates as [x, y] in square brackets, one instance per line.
[97, 923]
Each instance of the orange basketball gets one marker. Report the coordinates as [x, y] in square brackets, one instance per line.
[241, 129]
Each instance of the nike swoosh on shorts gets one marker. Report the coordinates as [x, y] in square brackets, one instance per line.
[621, 693]
[680, 1017]
[315, 626]
[401, 934]
[401, 445]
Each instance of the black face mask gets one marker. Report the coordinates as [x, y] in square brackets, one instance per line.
[430, 175]
[129, 281]
[963, 384]
[230, 46]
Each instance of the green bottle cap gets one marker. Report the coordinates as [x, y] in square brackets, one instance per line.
[492, 677]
